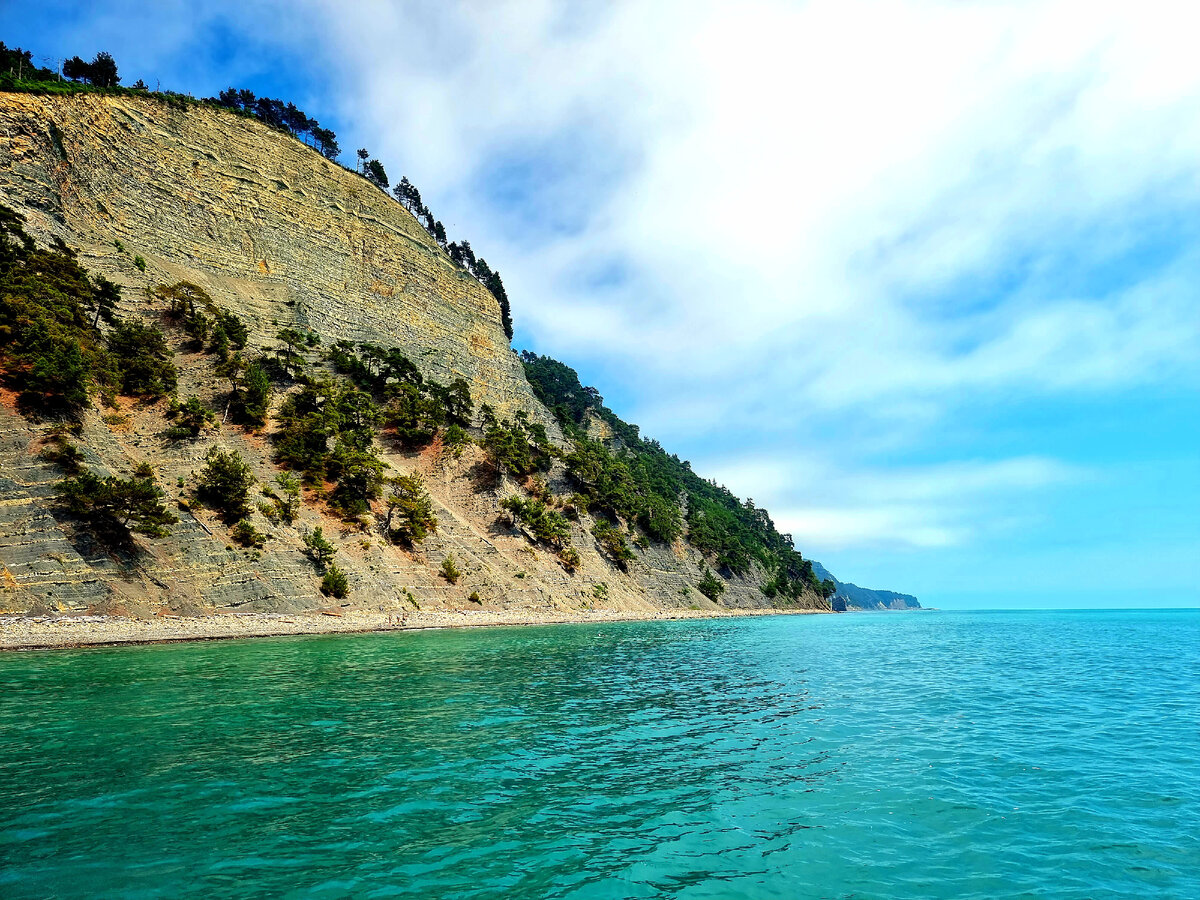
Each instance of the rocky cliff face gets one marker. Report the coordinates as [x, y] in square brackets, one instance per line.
[271, 229]
[283, 238]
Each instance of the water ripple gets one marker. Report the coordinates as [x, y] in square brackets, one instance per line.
[931, 755]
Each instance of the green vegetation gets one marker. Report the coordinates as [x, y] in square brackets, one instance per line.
[224, 484]
[143, 360]
[286, 507]
[244, 533]
[449, 570]
[113, 507]
[285, 117]
[51, 351]
[191, 416]
[335, 583]
[323, 410]
[633, 479]
[454, 440]
[191, 308]
[711, 586]
[519, 447]
[612, 542]
[318, 548]
[547, 525]
[410, 516]
[62, 453]
[415, 408]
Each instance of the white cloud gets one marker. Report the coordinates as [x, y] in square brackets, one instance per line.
[829, 218]
[831, 225]
[826, 505]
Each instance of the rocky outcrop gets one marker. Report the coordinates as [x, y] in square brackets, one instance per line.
[269, 227]
[282, 237]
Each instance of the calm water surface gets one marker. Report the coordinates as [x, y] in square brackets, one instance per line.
[928, 755]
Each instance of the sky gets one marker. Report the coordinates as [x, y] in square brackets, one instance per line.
[921, 278]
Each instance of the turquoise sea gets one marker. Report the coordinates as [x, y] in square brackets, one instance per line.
[923, 755]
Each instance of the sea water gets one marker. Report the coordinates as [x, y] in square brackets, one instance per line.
[923, 755]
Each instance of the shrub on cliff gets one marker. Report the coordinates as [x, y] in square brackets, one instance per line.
[224, 484]
[547, 525]
[359, 474]
[318, 548]
[51, 352]
[410, 516]
[335, 583]
[191, 417]
[711, 586]
[449, 569]
[142, 359]
[612, 542]
[247, 535]
[114, 507]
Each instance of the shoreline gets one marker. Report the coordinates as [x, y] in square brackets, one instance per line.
[74, 632]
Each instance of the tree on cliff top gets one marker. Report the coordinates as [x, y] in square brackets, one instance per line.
[101, 71]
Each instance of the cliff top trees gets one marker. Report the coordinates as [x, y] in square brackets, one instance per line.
[101, 71]
[375, 174]
[285, 116]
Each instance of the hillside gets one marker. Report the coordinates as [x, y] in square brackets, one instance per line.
[851, 596]
[181, 203]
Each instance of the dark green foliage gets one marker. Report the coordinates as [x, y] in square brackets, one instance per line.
[140, 263]
[711, 586]
[793, 576]
[224, 484]
[142, 359]
[50, 349]
[62, 453]
[287, 354]
[335, 583]
[18, 64]
[251, 404]
[612, 542]
[518, 447]
[284, 116]
[415, 416]
[113, 507]
[318, 548]
[106, 297]
[191, 416]
[101, 71]
[455, 440]
[247, 535]
[359, 474]
[287, 502]
[416, 409]
[449, 569]
[410, 516]
[548, 526]
[636, 480]
[191, 308]
[322, 410]
[375, 174]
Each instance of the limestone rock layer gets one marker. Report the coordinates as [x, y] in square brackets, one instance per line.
[283, 238]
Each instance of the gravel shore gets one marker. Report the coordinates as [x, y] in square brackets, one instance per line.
[49, 632]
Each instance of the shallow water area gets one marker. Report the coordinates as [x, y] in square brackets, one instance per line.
[927, 755]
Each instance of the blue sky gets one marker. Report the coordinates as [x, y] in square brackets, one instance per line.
[921, 278]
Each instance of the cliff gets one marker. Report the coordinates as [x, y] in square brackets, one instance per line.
[851, 596]
[281, 237]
